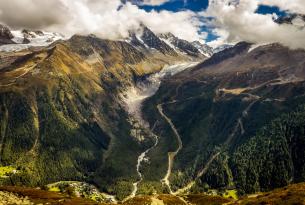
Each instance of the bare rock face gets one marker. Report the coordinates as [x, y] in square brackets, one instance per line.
[27, 34]
[149, 40]
[203, 48]
[26, 41]
[181, 45]
[5, 35]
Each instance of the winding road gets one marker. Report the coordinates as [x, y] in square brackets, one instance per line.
[171, 155]
[133, 99]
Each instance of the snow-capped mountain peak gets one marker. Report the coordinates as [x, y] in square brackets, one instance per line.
[23, 39]
[203, 48]
[36, 38]
[184, 46]
[149, 40]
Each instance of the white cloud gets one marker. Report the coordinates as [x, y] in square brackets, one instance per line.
[32, 13]
[154, 2]
[222, 38]
[239, 21]
[106, 18]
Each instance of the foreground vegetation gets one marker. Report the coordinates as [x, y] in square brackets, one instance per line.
[290, 195]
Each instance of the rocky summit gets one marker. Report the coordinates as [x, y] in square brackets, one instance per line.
[5, 35]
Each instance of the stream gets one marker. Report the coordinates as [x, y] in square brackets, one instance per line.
[133, 99]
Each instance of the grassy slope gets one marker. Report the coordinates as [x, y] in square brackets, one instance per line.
[60, 124]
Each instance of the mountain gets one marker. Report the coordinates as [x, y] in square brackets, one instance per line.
[234, 121]
[62, 117]
[5, 35]
[203, 48]
[36, 37]
[24, 39]
[167, 44]
[147, 39]
[221, 48]
[180, 45]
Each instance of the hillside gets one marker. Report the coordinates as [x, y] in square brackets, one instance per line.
[293, 194]
[234, 121]
[62, 117]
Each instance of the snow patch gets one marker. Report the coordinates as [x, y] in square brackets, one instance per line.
[168, 42]
[45, 39]
[254, 46]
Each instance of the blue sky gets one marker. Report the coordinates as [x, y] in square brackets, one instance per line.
[178, 5]
[200, 5]
[262, 9]
[114, 19]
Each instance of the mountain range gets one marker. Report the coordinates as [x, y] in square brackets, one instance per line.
[149, 115]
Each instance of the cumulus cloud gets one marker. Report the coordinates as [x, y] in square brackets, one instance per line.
[32, 13]
[153, 2]
[222, 38]
[110, 19]
[237, 20]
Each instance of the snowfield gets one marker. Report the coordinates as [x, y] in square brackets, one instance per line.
[45, 39]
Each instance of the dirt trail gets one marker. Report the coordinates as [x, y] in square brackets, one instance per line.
[238, 127]
[171, 155]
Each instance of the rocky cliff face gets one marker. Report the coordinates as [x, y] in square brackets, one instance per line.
[203, 48]
[181, 45]
[146, 39]
[5, 35]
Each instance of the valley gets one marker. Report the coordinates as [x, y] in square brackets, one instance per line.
[149, 119]
[133, 99]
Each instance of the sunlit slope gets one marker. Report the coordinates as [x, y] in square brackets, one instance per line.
[61, 119]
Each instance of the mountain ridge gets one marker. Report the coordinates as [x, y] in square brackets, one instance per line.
[216, 102]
